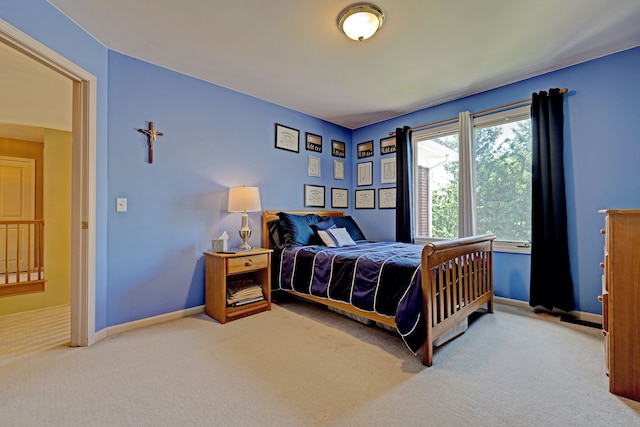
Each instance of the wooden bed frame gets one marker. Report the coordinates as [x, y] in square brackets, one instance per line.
[456, 258]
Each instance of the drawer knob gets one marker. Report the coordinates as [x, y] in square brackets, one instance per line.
[600, 298]
[603, 231]
[248, 263]
[602, 265]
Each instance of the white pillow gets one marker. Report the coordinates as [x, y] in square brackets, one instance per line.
[327, 239]
[336, 237]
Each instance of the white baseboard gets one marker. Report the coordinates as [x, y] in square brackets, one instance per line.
[154, 320]
[580, 315]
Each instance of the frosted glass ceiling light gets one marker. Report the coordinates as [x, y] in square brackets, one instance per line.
[360, 21]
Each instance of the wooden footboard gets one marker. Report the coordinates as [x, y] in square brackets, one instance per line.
[457, 279]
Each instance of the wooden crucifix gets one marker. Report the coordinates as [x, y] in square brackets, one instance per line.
[151, 134]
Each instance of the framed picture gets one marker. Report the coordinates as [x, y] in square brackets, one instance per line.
[365, 149]
[339, 198]
[365, 173]
[314, 196]
[314, 166]
[287, 138]
[314, 142]
[365, 199]
[338, 169]
[387, 198]
[388, 145]
[388, 170]
[338, 149]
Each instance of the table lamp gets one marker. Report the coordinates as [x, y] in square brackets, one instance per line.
[244, 199]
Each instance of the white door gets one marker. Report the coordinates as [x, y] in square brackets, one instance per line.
[17, 199]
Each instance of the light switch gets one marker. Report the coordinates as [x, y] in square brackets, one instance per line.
[121, 204]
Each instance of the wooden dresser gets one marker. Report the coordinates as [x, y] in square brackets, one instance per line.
[621, 301]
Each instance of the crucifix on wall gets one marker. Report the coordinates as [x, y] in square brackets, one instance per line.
[151, 134]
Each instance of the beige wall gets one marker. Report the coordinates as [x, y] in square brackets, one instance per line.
[57, 238]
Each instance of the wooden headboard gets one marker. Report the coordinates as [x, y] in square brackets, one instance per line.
[270, 215]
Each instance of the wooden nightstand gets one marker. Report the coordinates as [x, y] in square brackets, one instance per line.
[221, 268]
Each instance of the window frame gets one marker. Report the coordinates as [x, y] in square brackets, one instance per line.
[481, 121]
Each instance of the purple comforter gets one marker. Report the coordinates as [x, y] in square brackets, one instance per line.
[381, 277]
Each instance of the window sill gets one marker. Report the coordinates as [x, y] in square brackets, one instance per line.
[498, 245]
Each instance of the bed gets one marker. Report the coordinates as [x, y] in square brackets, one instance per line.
[422, 291]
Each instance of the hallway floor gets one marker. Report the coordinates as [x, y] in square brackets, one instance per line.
[25, 333]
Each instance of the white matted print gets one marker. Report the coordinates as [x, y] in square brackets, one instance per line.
[314, 196]
[365, 173]
[365, 199]
[314, 166]
[387, 198]
[388, 170]
[338, 169]
[339, 198]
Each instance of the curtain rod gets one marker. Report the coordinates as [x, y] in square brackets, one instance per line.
[453, 119]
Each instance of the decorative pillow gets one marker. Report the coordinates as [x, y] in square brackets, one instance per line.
[350, 224]
[324, 225]
[336, 237]
[296, 229]
[276, 240]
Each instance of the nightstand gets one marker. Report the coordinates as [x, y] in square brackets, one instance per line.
[223, 268]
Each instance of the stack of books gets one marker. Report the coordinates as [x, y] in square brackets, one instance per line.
[243, 291]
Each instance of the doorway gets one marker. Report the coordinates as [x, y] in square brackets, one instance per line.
[83, 205]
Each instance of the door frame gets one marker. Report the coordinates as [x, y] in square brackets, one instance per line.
[83, 204]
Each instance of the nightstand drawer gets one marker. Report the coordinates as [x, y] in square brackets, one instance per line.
[246, 263]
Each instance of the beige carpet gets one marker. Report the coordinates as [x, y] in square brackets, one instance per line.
[300, 365]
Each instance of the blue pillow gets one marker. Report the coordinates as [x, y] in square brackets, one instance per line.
[275, 235]
[296, 229]
[324, 225]
[351, 226]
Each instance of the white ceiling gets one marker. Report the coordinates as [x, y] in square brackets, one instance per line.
[291, 53]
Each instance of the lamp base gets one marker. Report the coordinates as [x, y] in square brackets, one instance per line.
[244, 233]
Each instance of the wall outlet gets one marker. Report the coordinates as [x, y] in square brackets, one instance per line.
[121, 204]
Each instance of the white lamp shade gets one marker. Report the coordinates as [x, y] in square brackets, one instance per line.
[244, 199]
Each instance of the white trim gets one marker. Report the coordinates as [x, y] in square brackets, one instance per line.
[154, 320]
[83, 241]
[512, 247]
[580, 315]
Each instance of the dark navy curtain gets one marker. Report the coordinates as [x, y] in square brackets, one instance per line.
[404, 186]
[551, 285]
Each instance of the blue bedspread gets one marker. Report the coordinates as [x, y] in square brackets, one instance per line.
[382, 277]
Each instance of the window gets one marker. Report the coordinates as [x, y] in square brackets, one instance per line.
[502, 184]
[436, 182]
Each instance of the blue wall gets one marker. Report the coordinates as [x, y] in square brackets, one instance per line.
[149, 259]
[214, 138]
[602, 148]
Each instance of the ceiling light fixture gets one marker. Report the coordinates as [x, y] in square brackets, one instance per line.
[361, 20]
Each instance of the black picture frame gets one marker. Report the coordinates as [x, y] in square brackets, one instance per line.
[287, 138]
[340, 198]
[314, 196]
[387, 198]
[338, 149]
[387, 145]
[365, 199]
[313, 142]
[365, 149]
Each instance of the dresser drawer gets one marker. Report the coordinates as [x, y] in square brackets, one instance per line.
[246, 263]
